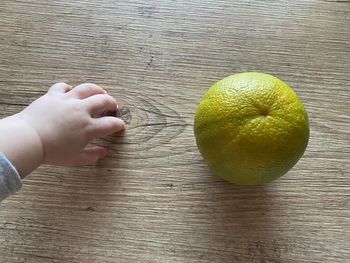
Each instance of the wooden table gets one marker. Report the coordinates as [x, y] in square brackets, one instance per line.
[154, 199]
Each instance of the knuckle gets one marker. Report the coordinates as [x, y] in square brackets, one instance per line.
[61, 84]
[91, 86]
[107, 100]
[58, 85]
[77, 106]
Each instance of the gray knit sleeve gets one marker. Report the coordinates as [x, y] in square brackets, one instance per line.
[10, 181]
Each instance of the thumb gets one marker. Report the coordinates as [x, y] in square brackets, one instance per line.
[91, 155]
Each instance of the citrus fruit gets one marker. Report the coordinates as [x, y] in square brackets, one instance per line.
[251, 128]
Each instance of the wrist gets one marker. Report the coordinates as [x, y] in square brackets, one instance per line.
[21, 144]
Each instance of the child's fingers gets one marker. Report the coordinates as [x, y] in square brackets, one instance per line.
[91, 155]
[104, 126]
[86, 90]
[98, 104]
[60, 87]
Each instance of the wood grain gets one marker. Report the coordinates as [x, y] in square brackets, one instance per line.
[154, 199]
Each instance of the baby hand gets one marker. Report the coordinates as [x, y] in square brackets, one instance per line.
[66, 119]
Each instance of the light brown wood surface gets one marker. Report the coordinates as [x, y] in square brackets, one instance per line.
[154, 199]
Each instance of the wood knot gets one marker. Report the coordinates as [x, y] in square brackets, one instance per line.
[122, 113]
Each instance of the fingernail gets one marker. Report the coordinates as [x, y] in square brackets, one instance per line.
[123, 125]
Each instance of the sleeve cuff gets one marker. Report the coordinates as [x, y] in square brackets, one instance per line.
[10, 181]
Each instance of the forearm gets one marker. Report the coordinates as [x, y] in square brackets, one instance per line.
[20, 143]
